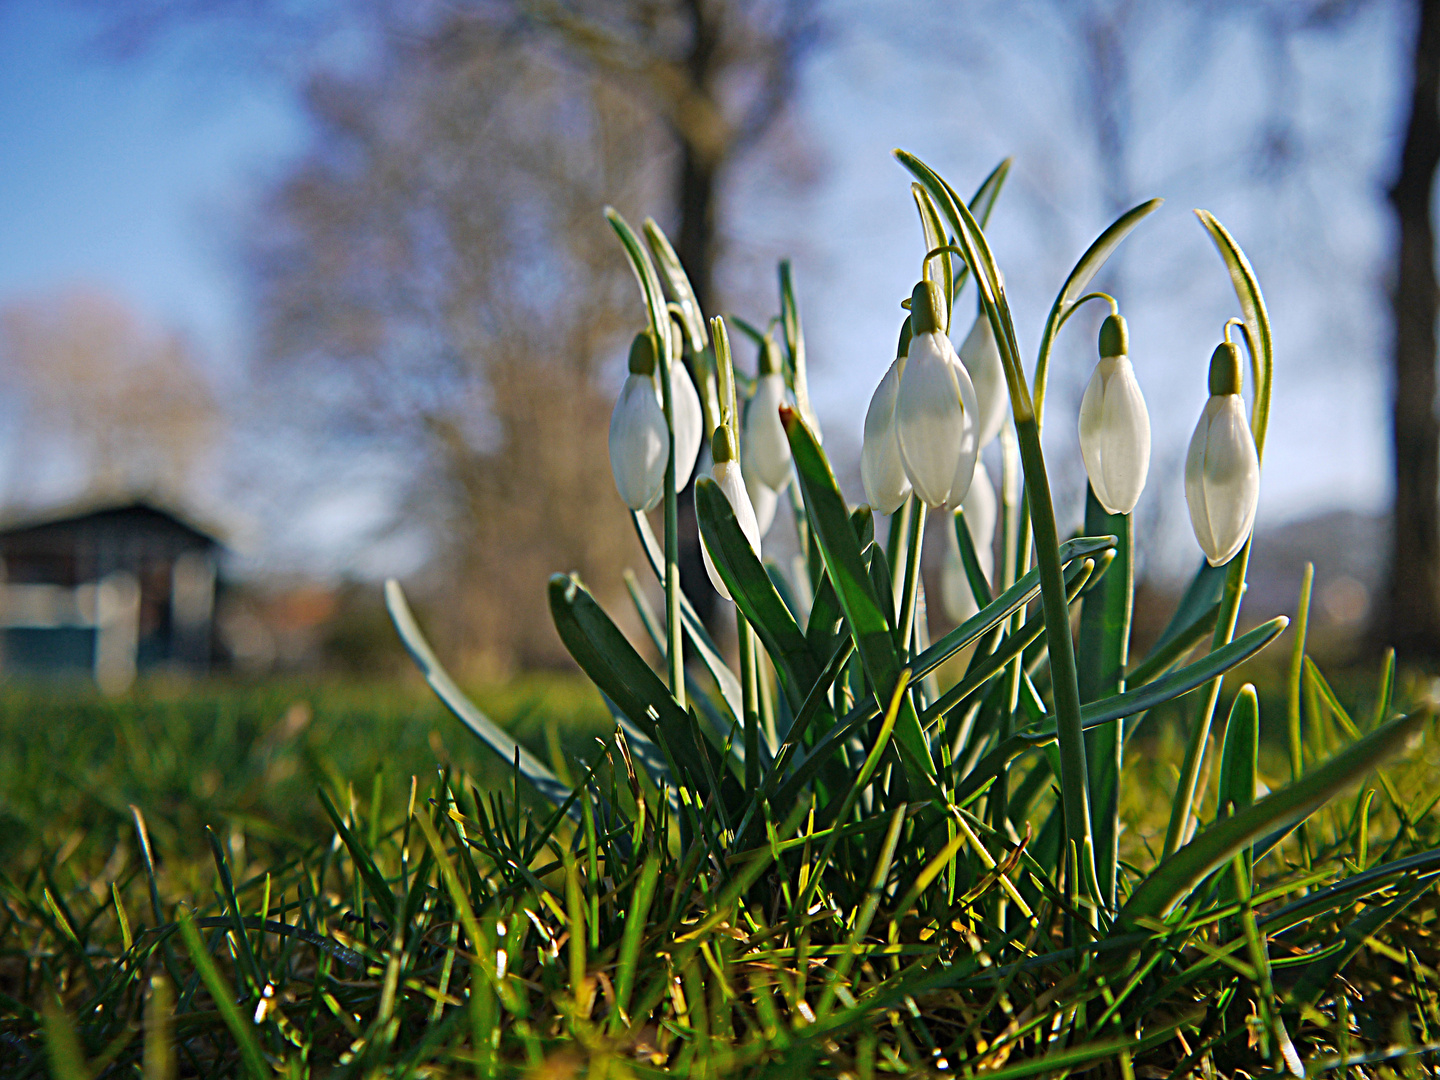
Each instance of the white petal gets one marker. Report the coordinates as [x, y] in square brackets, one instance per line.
[1222, 478]
[980, 516]
[766, 450]
[956, 595]
[762, 497]
[732, 483]
[934, 417]
[1115, 435]
[689, 421]
[639, 444]
[981, 357]
[883, 473]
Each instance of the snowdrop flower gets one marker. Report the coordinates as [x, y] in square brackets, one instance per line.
[881, 470]
[763, 498]
[935, 408]
[767, 450]
[639, 442]
[1222, 469]
[728, 476]
[981, 357]
[1114, 424]
[689, 421]
[956, 595]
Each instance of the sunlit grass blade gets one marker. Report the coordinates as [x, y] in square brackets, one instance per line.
[1172, 880]
[490, 733]
[1318, 974]
[251, 1058]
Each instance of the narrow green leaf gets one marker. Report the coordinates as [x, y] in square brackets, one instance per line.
[375, 882]
[754, 593]
[612, 663]
[636, 919]
[485, 729]
[62, 1044]
[825, 507]
[1173, 879]
[1102, 651]
[1318, 974]
[1003, 606]
[1146, 697]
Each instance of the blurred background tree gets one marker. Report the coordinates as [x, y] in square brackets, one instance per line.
[106, 403]
[434, 275]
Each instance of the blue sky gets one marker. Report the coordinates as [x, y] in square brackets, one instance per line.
[134, 176]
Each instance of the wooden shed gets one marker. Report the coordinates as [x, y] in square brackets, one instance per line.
[107, 588]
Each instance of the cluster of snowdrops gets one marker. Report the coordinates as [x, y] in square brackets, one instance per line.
[933, 412]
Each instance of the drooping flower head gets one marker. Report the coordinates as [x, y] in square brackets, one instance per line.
[935, 408]
[639, 441]
[1222, 468]
[881, 470]
[767, 450]
[1114, 424]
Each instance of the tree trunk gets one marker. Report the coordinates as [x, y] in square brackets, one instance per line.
[696, 197]
[1412, 622]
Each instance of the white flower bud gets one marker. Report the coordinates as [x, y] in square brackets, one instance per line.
[689, 421]
[1115, 426]
[728, 476]
[766, 449]
[886, 485]
[762, 497]
[981, 357]
[639, 443]
[979, 506]
[1222, 469]
[935, 409]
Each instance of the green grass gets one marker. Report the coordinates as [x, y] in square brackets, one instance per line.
[241, 761]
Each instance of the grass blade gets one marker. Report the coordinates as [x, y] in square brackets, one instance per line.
[1169, 882]
[250, 1056]
[488, 732]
